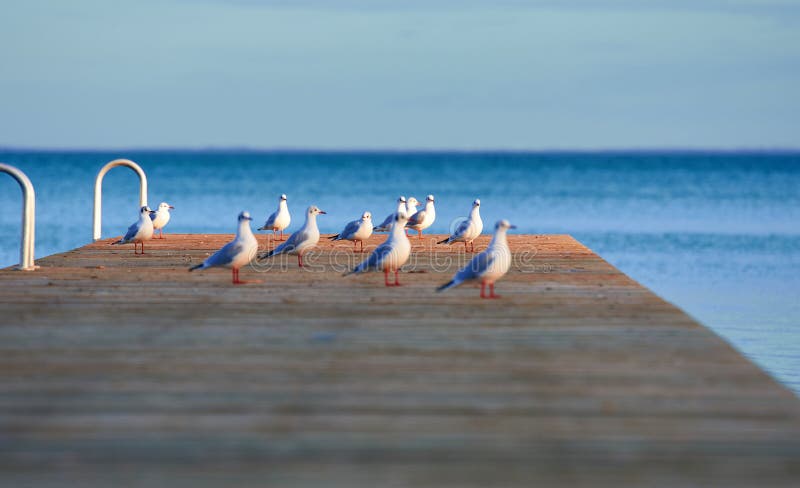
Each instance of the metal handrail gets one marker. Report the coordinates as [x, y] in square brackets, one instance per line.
[98, 191]
[28, 217]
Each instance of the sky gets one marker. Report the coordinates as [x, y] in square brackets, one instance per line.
[414, 74]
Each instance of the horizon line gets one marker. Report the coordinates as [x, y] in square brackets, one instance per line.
[394, 150]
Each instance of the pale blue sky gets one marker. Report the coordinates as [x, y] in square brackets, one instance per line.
[416, 74]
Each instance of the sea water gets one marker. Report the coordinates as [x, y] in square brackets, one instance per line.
[717, 234]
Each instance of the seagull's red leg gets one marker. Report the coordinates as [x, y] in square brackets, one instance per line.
[362, 246]
[465, 247]
[355, 246]
[483, 289]
[142, 247]
[386, 277]
[396, 279]
[420, 234]
[491, 289]
[300, 260]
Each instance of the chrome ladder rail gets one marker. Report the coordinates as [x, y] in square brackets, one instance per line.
[98, 191]
[28, 217]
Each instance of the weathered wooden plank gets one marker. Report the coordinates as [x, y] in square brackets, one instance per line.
[118, 369]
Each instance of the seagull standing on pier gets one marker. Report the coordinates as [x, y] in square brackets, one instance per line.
[469, 229]
[160, 218]
[279, 220]
[488, 266]
[140, 231]
[411, 206]
[301, 241]
[391, 255]
[424, 218]
[387, 222]
[356, 231]
[236, 253]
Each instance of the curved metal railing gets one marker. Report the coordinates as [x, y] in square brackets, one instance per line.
[28, 216]
[98, 191]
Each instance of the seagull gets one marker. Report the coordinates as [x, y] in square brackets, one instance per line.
[387, 222]
[411, 206]
[488, 266]
[236, 253]
[391, 254]
[356, 231]
[424, 218]
[469, 229]
[302, 240]
[160, 218]
[139, 232]
[279, 220]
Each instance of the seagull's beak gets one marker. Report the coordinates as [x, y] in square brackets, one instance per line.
[323, 212]
[173, 208]
[512, 226]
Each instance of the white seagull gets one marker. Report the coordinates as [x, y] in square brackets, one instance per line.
[387, 222]
[469, 229]
[160, 218]
[488, 266]
[279, 220]
[424, 218]
[139, 232]
[236, 253]
[390, 255]
[301, 241]
[356, 231]
[411, 206]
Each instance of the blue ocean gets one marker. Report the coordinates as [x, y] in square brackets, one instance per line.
[717, 234]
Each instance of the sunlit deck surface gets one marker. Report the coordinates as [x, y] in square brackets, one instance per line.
[121, 370]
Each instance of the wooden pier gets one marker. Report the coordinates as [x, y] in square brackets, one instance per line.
[120, 370]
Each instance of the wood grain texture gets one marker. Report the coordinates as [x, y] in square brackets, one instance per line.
[120, 370]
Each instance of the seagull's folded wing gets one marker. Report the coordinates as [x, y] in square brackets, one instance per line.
[475, 268]
[271, 220]
[132, 230]
[350, 229]
[225, 255]
[291, 243]
[416, 219]
[461, 229]
[375, 260]
[386, 222]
